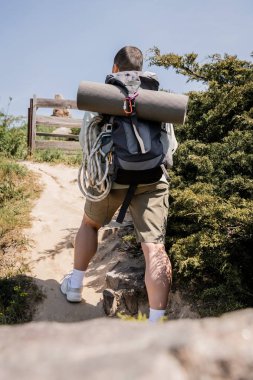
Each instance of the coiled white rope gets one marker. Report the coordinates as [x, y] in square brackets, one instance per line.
[93, 179]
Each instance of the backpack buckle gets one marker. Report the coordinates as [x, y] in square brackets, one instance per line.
[129, 103]
[108, 128]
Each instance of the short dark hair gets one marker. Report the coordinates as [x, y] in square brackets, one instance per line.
[129, 58]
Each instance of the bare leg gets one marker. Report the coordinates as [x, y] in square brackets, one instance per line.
[158, 275]
[86, 243]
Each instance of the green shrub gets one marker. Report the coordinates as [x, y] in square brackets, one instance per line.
[12, 139]
[17, 187]
[18, 293]
[18, 297]
[210, 227]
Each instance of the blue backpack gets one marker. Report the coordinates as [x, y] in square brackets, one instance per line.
[139, 149]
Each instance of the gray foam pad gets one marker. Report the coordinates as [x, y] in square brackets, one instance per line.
[150, 105]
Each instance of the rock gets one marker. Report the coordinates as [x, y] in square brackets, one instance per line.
[202, 349]
[109, 301]
[125, 301]
[60, 112]
[108, 245]
[62, 131]
[131, 301]
[125, 282]
[126, 275]
[107, 232]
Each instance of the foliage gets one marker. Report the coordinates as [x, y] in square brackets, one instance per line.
[210, 226]
[12, 138]
[17, 187]
[57, 156]
[18, 296]
[17, 292]
[129, 243]
[139, 318]
[75, 131]
[13, 143]
[45, 129]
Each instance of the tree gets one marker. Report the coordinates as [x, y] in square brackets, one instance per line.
[210, 226]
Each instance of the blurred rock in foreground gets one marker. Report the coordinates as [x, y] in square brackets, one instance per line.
[211, 348]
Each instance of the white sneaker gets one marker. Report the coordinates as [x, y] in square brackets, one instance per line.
[72, 294]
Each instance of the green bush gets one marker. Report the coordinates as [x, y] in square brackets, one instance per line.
[17, 187]
[18, 297]
[18, 293]
[210, 227]
[12, 139]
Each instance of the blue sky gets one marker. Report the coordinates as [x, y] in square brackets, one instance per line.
[49, 46]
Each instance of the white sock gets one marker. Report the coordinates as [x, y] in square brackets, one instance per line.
[155, 315]
[77, 277]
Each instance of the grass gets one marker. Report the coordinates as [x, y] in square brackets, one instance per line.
[18, 298]
[17, 188]
[56, 156]
[18, 292]
[138, 318]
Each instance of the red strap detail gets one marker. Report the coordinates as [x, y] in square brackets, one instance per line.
[130, 100]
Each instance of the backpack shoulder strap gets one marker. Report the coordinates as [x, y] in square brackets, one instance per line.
[134, 122]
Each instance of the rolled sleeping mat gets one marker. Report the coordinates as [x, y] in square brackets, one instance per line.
[150, 105]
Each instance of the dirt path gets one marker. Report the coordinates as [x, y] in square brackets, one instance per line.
[56, 218]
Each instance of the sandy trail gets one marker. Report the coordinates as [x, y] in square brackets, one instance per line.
[56, 217]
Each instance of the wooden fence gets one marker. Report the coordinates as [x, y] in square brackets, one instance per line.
[35, 120]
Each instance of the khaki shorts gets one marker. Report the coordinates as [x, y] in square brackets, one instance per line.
[148, 208]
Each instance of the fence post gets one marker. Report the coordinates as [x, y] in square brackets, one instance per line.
[33, 123]
[28, 128]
